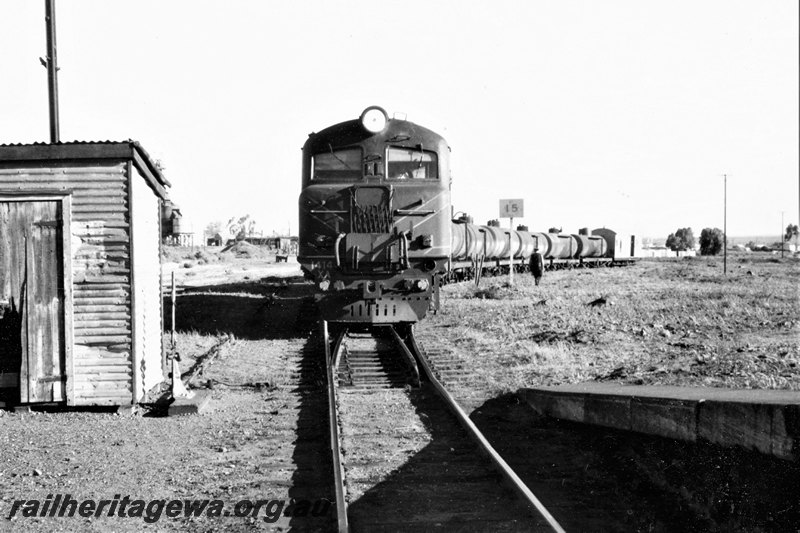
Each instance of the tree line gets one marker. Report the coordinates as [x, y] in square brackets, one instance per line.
[713, 239]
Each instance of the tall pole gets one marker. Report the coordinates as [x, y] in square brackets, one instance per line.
[52, 68]
[511, 252]
[725, 228]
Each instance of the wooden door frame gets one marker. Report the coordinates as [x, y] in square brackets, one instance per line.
[65, 198]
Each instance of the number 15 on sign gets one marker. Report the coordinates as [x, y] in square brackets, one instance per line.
[511, 209]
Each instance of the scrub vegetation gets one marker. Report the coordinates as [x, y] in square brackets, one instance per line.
[665, 322]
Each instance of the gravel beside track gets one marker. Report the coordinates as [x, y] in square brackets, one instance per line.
[410, 466]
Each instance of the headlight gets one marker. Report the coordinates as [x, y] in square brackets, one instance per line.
[374, 119]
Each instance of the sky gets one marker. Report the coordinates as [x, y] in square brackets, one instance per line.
[621, 113]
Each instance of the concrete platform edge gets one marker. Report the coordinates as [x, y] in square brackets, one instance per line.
[768, 427]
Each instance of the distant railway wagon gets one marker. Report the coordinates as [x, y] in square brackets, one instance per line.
[491, 247]
[80, 277]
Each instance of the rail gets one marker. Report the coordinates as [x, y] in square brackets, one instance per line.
[412, 362]
[505, 470]
[412, 352]
[333, 419]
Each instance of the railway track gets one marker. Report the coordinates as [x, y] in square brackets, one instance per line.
[406, 457]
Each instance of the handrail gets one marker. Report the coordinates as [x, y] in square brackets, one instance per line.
[413, 212]
[404, 250]
[336, 249]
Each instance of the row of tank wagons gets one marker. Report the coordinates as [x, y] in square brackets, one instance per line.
[493, 242]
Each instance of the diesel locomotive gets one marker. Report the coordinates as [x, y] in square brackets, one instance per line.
[376, 233]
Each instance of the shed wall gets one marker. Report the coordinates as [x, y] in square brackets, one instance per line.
[100, 246]
[146, 237]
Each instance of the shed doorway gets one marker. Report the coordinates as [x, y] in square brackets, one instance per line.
[32, 355]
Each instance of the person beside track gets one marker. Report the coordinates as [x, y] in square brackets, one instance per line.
[537, 265]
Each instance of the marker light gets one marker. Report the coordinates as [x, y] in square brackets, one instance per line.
[374, 119]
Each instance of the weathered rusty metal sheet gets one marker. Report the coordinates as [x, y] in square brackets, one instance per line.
[46, 374]
[12, 296]
[100, 267]
[32, 276]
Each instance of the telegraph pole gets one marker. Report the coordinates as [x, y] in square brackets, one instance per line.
[725, 227]
[781, 234]
[52, 68]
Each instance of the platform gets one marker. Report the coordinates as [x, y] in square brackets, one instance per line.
[764, 420]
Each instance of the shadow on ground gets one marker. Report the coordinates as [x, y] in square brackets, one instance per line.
[590, 479]
[641, 483]
[442, 487]
[312, 481]
[271, 308]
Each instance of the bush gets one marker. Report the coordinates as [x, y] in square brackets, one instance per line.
[711, 241]
[203, 257]
[681, 240]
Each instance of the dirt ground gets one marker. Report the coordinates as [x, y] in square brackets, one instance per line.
[259, 440]
[263, 438]
[660, 322]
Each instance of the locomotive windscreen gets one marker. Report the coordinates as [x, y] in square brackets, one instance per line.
[338, 165]
[411, 163]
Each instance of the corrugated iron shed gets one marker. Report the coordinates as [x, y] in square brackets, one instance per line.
[80, 273]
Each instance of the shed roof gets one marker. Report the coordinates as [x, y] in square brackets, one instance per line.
[75, 150]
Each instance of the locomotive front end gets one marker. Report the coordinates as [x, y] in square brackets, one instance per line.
[375, 218]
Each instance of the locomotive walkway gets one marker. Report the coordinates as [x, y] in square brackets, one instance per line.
[764, 420]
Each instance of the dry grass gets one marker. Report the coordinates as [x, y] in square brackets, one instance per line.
[190, 256]
[675, 322]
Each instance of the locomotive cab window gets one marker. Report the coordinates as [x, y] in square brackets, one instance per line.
[337, 165]
[412, 164]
